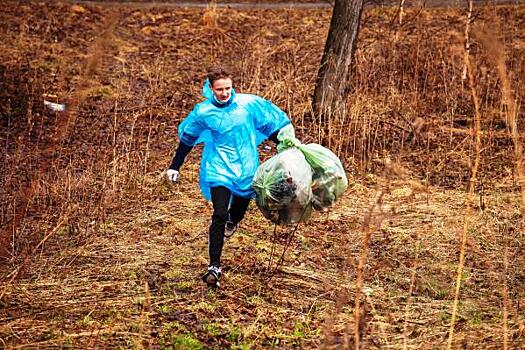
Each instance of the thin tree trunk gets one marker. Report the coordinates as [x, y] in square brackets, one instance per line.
[333, 79]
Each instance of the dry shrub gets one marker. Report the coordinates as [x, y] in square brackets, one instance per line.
[210, 17]
[408, 101]
[417, 84]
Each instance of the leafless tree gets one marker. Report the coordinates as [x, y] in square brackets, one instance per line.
[332, 85]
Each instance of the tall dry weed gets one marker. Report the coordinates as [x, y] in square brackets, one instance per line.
[371, 223]
[474, 172]
[491, 39]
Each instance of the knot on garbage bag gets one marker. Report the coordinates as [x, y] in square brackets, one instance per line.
[288, 143]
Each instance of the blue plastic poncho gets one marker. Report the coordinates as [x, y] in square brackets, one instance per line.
[231, 134]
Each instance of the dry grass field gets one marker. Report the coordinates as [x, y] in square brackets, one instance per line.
[98, 251]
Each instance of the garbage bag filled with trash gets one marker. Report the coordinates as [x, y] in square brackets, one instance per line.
[329, 178]
[297, 179]
[282, 187]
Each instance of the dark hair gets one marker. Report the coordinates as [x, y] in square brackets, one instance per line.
[216, 73]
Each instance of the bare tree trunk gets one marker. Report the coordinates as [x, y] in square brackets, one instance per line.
[332, 85]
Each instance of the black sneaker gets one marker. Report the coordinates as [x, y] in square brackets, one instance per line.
[230, 228]
[212, 276]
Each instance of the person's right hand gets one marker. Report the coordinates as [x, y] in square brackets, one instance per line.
[172, 175]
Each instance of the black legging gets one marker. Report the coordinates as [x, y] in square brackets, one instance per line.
[220, 197]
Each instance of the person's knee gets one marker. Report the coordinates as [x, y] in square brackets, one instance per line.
[220, 216]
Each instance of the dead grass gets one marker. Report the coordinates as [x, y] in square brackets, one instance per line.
[92, 295]
[107, 254]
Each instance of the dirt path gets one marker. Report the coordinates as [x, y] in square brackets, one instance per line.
[203, 4]
[282, 5]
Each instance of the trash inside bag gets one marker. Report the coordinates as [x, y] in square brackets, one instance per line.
[329, 178]
[298, 179]
[282, 186]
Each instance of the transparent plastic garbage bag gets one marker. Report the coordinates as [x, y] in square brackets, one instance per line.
[298, 179]
[282, 187]
[329, 179]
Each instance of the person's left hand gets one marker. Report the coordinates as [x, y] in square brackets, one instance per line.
[172, 175]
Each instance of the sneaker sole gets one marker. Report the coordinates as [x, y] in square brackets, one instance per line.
[210, 279]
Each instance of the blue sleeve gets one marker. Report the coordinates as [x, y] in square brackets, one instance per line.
[191, 128]
[268, 117]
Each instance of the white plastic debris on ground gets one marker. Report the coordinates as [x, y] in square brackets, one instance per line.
[57, 107]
